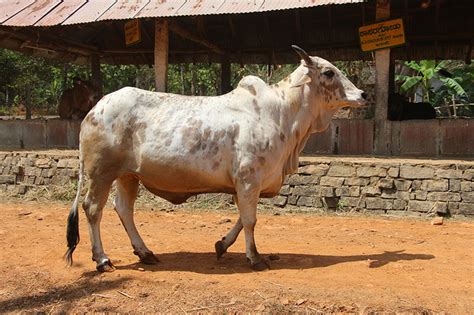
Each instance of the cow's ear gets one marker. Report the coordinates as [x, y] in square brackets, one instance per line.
[304, 79]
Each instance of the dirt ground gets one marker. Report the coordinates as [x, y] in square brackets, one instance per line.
[326, 264]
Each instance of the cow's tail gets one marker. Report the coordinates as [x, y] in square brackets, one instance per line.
[72, 234]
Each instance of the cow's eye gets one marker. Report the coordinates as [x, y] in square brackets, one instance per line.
[329, 73]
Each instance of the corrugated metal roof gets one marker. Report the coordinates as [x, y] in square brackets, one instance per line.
[65, 12]
[124, 9]
[199, 7]
[60, 13]
[244, 6]
[161, 8]
[32, 14]
[89, 12]
[10, 8]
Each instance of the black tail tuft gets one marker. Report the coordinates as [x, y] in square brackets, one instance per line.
[72, 233]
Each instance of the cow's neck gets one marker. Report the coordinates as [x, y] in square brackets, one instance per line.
[301, 115]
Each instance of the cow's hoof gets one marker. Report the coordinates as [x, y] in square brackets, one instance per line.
[106, 266]
[149, 259]
[220, 249]
[260, 266]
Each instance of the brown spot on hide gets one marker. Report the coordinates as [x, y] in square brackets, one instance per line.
[252, 90]
[256, 107]
[220, 134]
[102, 111]
[331, 87]
[213, 148]
[265, 146]
[261, 160]
[282, 136]
[192, 135]
[233, 133]
[94, 121]
[196, 145]
[215, 165]
[277, 85]
[206, 134]
[252, 149]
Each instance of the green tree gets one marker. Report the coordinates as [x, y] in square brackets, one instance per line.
[426, 70]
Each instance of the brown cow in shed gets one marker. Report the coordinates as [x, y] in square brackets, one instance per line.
[76, 102]
[243, 143]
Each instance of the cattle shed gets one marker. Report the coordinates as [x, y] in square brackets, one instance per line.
[253, 31]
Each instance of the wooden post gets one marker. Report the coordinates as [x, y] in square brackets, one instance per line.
[383, 130]
[96, 74]
[161, 54]
[225, 75]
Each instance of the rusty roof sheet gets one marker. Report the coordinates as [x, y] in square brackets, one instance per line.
[60, 13]
[32, 13]
[124, 9]
[161, 8]
[90, 12]
[65, 12]
[200, 7]
[11, 8]
[274, 5]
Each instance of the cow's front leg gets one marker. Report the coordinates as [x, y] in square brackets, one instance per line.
[248, 196]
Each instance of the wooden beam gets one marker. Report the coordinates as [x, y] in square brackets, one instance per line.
[50, 43]
[186, 34]
[383, 128]
[161, 54]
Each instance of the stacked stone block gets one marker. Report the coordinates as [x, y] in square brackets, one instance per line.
[376, 185]
[21, 171]
[384, 187]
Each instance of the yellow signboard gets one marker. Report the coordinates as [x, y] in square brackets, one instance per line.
[382, 35]
[132, 32]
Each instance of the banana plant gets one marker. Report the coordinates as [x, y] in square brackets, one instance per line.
[425, 71]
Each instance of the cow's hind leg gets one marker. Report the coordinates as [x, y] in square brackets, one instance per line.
[222, 245]
[93, 205]
[127, 188]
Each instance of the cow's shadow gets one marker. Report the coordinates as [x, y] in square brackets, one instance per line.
[236, 262]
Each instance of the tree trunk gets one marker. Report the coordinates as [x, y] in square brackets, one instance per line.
[28, 103]
[6, 98]
[181, 71]
[194, 79]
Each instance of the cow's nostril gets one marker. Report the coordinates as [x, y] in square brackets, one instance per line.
[364, 95]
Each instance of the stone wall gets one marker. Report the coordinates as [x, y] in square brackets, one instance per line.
[22, 171]
[336, 183]
[381, 185]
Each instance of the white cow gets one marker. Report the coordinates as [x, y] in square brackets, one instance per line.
[243, 143]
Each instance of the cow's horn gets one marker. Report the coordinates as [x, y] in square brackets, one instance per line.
[303, 54]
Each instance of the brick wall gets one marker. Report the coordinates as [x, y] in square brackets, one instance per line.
[373, 185]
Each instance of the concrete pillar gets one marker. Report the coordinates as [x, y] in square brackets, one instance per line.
[96, 74]
[383, 130]
[225, 75]
[161, 54]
